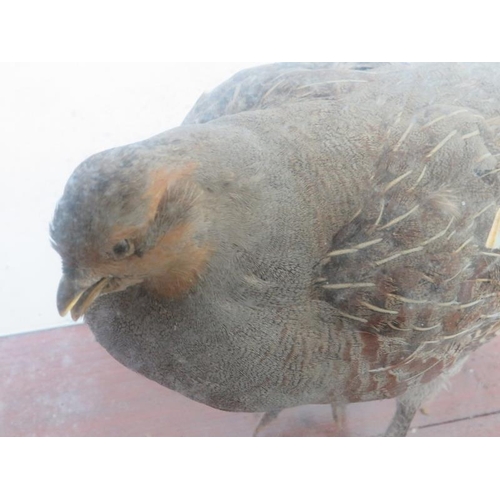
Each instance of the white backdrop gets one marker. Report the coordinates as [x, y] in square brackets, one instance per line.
[52, 117]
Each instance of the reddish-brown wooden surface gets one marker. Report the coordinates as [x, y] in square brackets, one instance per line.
[62, 383]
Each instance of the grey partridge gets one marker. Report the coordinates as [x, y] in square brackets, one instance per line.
[313, 233]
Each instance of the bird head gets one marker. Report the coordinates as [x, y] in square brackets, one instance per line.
[129, 216]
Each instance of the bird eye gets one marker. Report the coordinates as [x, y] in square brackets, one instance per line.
[122, 248]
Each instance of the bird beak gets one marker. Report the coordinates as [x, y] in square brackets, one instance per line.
[75, 297]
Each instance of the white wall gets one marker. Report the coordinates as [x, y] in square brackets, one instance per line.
[52, 117]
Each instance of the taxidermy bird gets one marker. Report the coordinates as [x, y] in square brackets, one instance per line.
[313, 233]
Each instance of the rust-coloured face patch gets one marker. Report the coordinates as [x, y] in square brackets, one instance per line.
[176, 263]
[170, 269]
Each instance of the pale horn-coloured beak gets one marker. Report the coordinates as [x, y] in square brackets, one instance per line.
[76, 297]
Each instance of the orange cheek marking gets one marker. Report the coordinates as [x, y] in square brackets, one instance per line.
[183, 274]
[160, 182]
[170, 269]
[176, 263]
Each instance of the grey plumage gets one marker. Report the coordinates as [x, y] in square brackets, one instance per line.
[345, 210]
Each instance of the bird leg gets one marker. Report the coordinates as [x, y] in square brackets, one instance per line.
[338, 413]
[268, 417]
[407, 406]
[401, 422]
[339, 416]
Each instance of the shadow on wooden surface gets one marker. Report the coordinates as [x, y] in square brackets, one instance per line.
[62, 383]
